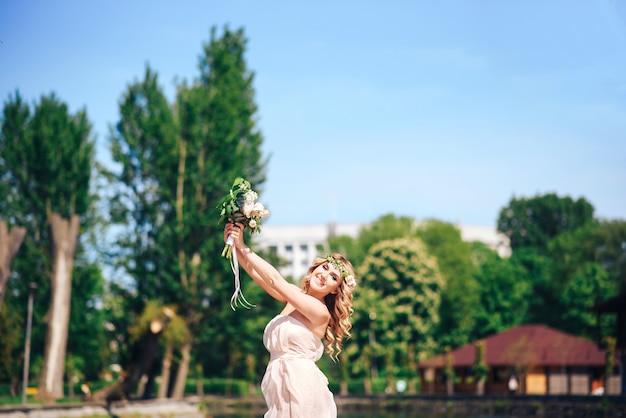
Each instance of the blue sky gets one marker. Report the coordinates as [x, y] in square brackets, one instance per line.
[427, 109]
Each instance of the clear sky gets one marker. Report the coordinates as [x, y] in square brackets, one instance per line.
[430, 109]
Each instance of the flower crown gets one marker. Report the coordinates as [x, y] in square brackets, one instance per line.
[347, 277]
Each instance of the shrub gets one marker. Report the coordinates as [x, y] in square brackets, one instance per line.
[218, 386]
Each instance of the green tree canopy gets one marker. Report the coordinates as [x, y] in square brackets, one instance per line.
[386, 227]
[610, 239]
[405, 280]
[177, 162]
[46, 169]
[460, 293]
[586, 272]
[533, 222]
[505, 292]
[587, 287]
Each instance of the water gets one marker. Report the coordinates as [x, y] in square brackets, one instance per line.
[370, 415]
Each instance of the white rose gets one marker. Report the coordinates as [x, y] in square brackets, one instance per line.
[250, 197]
[247, 210]
[350, 281]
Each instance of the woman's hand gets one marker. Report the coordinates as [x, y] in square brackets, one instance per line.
[235, 231]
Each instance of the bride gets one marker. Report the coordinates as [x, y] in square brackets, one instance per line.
[315, 316]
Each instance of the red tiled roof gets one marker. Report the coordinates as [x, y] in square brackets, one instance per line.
[531, 345]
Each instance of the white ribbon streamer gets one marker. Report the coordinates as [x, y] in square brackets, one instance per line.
[237, 297]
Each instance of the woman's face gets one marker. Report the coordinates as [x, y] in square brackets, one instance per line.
[325, 279]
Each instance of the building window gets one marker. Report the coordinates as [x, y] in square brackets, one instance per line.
[289, 248]
[273, 249]
[304, 248]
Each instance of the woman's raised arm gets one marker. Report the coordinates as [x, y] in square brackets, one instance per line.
[268, 277]
[268, 273]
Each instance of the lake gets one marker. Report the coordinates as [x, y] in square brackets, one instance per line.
[371, 415]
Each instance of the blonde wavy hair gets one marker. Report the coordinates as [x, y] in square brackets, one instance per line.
[339, 305]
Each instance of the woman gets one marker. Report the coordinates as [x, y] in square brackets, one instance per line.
[293, 385]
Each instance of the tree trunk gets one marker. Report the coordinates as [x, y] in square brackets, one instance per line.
[367, 385]
[183, 369]
[63, 234]
[165, 373]
[343, 388]
[480, 387]
[450, 386]
[391, 388]
[15, 385]
[70, 383]
[412, 389]
[200, 382]
[183, 366]
[9, 246]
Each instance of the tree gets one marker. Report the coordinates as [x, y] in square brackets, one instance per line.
[87, 341]
[344, 244]
[460, 294]
[532, 222]
[10, 243]
[504, 292]
[217, 116]
[448, 371]
[176, 163]
[480, 368]
[387, 227]
[610, 250]
[588, 286]
[406, 281]
[31, 262]
[538, 272]
[609, 358]
[176, 335]
[11, 346]
[14, 119]
[587, 271]
[364, 347]
[611, 255]
[50, 158]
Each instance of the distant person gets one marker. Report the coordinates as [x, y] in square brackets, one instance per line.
[293, 385]
[512, 385]
[597, 387]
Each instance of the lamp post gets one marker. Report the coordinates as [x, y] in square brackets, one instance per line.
[31, 294]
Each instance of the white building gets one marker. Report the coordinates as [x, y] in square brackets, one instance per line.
[300, 244]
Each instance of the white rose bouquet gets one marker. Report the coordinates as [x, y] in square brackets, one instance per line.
[240, 205]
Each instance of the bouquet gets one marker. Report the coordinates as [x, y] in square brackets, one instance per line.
[240, 205]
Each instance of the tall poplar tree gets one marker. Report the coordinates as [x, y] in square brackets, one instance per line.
[49, 156]
[177, 161]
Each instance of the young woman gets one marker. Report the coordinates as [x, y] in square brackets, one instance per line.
[293, 385]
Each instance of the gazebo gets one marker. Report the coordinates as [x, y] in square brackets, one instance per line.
[544, 360]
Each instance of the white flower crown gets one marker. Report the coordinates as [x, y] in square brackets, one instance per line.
[347, 277]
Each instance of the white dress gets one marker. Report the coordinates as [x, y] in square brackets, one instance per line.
[293, 385]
